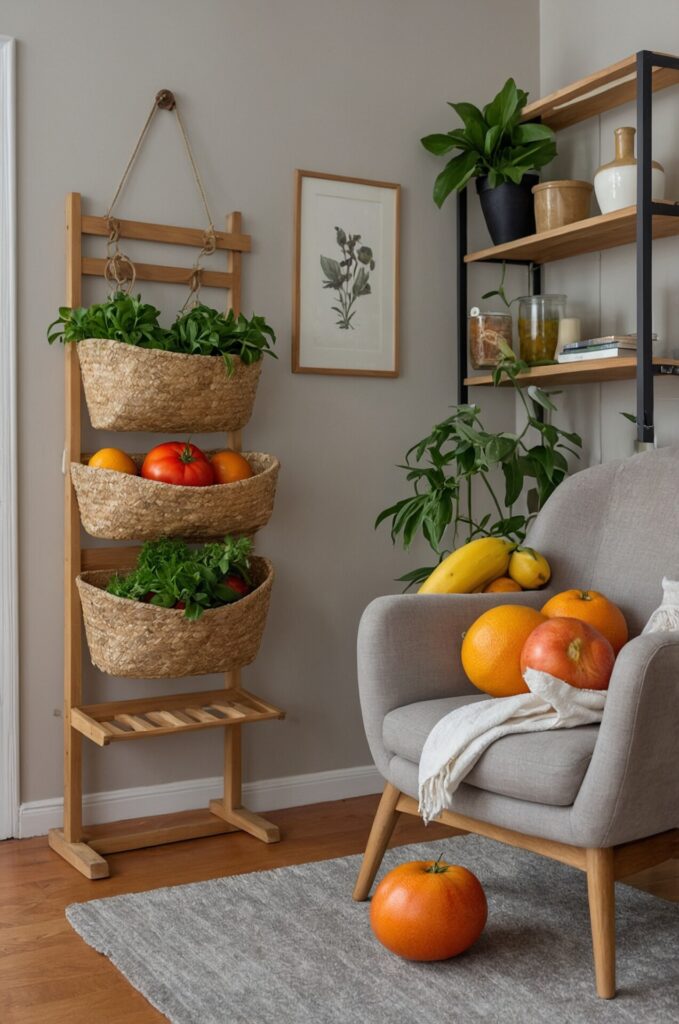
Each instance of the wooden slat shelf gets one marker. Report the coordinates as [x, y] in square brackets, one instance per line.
[586, 372]
[604, 90]
[605, 231]
[162, 716]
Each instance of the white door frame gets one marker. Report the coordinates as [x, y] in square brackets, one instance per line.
[9, 590]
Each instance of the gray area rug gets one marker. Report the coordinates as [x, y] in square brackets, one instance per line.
[289, 946]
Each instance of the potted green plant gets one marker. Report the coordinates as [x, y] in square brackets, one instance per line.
[500, 152]
[517, 471]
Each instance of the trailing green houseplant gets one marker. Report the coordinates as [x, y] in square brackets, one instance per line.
[443, 467]
[494, 147]
[200, 331]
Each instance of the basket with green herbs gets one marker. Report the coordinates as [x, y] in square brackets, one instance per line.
[180, 611]
[138, 375]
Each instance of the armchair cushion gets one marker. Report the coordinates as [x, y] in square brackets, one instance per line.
[543, 768]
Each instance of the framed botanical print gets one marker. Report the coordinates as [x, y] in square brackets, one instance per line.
[346, 289]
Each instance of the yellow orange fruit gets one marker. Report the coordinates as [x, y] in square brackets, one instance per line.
[491, 648]
[529, 568]
[230, 466]
[115, 459]
[503, 585]
[593, 608]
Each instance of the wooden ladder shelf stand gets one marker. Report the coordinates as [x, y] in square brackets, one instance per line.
[116, 721]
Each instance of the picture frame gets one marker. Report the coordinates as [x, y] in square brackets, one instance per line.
[346, 278]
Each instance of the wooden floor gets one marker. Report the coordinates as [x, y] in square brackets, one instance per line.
[49, 976]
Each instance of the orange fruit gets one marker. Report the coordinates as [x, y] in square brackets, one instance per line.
[428, 910]
[230, 466]
[491, 649]
[113, 458]
[502, 585]
[593, 608]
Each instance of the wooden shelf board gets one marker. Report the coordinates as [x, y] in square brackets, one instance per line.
[604, 90]
[162, 716]
[585, 372]
[605, 231]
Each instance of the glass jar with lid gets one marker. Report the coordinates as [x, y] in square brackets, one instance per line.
[539, 317]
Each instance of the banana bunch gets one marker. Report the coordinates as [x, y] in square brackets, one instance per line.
[470, 567]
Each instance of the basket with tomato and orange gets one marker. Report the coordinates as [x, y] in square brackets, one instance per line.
[174, 490]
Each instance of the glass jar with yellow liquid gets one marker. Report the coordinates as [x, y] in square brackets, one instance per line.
[539, 317]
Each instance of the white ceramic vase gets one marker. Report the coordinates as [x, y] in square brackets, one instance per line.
[615, 184]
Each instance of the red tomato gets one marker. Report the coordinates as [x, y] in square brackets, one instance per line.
[178, 462]
[572, 651]
[237, 583]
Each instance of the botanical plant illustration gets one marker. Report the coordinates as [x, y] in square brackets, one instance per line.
[349, 277]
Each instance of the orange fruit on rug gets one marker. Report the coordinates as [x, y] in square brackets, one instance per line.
[230, 466]
[115, 459]
[593, 608]
[503, 585]
[491, 649]
[428, 910]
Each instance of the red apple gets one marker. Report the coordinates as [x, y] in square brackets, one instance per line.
[572, 651]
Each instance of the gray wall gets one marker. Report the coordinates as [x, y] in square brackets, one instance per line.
[576, 39]
[265, 87]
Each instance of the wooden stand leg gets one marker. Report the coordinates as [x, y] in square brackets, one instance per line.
[79, 855]
[380, 834]
[230, 808]
[601, 891]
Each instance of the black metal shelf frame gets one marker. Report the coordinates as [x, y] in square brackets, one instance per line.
[646, 60]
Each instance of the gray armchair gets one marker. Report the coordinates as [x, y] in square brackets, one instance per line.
[602, 798]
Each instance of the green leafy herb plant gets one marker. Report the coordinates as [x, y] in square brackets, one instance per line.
[491, 142]
[200, 331]
[443, 467]
[169, 574]
[121, 318]
[349, 277]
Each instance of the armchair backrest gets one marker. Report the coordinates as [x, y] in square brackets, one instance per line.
[615, 528]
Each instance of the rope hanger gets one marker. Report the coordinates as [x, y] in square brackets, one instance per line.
[120, 270]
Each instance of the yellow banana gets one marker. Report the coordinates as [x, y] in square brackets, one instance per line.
[470, 567]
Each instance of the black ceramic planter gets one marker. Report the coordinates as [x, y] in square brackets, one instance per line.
[508, 208]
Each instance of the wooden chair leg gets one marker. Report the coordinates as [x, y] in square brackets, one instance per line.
[601, 892]
[380, 834]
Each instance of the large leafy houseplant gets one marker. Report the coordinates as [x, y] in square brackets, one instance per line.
[492, 143]
[443, 467]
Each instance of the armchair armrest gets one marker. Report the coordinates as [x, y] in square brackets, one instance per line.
[409, 650]
[631, 789]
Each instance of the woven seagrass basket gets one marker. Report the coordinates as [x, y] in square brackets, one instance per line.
[142, 641]
[130, 388]
[118, 506]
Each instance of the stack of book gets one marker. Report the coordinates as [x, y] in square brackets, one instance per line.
[610, 347]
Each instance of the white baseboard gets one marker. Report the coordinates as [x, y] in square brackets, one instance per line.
[38, 816]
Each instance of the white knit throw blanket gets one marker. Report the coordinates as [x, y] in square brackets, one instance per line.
[457, 742]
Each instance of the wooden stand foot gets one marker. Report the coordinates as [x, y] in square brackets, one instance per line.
[247, 821]
[79, 855]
